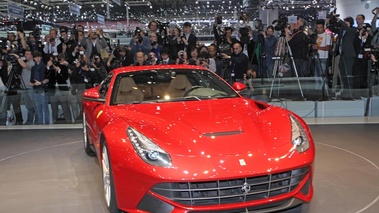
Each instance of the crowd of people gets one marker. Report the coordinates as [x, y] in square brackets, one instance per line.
[57, 68]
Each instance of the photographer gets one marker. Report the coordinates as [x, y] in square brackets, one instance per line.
[100, 68]
[155, 45]
[212, 50]
[26, 92]
[322, 43]
[239, 62]
[346, 48]
[120, 57]
[243, 27]
[269, 49]
[360, 70]
[298, 42]
[75, 47]
[82, 77]
[140, 42]
[153, 29]
[62, 47]
[94, 44]
[57, 87]
[51, 43]
[10, 76]
[223, 38]
[206, 61]
[182, 57]
[188, 38]
[34, 43]
[175, 43]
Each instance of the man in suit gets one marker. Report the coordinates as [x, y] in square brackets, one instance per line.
[188, 38]
[347, 49]
[94, 44]
[165, 59]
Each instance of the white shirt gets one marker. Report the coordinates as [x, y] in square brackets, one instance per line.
[25, 74]
[323, 40]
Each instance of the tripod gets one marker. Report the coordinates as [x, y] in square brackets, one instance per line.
[226, 72]
[324, 90]
[11, 96]
[279, 58]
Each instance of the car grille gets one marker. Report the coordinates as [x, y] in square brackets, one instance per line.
[232, 191]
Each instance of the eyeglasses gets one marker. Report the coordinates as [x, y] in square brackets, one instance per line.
[152, 55]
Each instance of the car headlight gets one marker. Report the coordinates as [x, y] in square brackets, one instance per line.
[299, 137]
[147, 150]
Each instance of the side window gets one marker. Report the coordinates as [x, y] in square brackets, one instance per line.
[104, 86]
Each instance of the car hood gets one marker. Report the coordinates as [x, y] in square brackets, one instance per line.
[210, 127]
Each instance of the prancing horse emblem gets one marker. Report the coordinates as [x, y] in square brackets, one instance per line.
[246, 188]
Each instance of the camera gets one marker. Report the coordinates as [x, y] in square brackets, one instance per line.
[140, 39]
[365, 29]
[201, 60]
[56, 63]
[36, 33]
[333, 24]
[281, 23]
[181, 54]
[51, 40]
[163, 26]
[259, 25]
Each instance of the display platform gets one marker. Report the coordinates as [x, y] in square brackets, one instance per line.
[48, 171]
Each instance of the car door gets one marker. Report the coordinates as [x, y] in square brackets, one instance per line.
[94, 109]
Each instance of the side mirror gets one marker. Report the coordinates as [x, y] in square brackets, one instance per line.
[238, 86]
[92, 95]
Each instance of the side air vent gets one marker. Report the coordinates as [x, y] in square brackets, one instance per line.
[214, 134]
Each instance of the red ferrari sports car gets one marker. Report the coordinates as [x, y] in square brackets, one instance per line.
[173, 139]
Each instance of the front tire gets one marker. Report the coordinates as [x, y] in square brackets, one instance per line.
[108, 184]
[86, 144]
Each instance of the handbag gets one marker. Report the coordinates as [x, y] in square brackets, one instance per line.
[104, 54]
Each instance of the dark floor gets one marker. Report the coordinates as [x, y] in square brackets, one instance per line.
[47, 171]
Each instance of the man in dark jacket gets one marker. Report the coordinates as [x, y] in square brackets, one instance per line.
[239, 62]
[346, 47]
[299, 44]
[39, 78]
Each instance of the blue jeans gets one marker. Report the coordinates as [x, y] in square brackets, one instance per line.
[42, 107]
[27, 98]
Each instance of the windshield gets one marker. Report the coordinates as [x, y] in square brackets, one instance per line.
[169, 85]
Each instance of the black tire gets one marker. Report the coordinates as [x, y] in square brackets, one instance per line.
[86, 143]
[108, 184]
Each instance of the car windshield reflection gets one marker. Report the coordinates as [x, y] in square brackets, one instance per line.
[170, 85]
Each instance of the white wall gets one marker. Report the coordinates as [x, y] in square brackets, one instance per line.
[354, 7]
